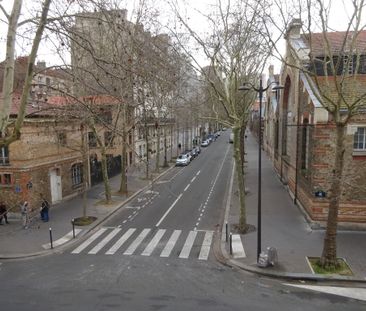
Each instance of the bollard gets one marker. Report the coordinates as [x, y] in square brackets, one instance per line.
[51, 242]
[227, 232]
[73, 228]
[231, 243]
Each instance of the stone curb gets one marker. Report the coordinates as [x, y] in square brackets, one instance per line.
[229, 261]
[95, 225]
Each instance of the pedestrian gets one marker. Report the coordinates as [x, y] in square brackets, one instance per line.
[24, 209]
[3, 213]
[45, 206]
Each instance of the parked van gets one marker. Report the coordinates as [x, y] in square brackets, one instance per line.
[231, 138]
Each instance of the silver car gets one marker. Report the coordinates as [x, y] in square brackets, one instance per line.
[182, 160]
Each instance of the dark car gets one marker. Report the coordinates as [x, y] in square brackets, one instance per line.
[197, 150]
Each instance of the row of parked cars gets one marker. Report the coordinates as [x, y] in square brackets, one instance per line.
[187, 156]
[210, 138]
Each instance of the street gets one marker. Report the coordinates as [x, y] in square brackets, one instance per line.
[157, 253]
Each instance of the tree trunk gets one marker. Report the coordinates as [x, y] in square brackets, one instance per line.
[85, 169]
[107, 187]
[8, 81]
[329, 255]
[157, 159]
[240, 177]
[165, 164]
[147, 173]
[123, 188]
[28, 79]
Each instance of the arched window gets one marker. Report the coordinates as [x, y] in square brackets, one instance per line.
[77, 174]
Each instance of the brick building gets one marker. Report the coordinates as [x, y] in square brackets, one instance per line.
[300, 132]
[39, 162]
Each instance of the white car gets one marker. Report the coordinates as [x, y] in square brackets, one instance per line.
[182, 160]
[205, 143]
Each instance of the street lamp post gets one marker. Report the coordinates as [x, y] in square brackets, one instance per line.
[260, 91]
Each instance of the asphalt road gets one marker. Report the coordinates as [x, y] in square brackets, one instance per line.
[157, 254]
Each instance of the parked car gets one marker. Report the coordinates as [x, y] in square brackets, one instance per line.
[194, 153]
[182, 160]
[231, 138]
[197, 150]
[211, 137]
[189, 153]
[205, 143]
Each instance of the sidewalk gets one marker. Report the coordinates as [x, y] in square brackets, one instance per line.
[16, 242]
[284, 226]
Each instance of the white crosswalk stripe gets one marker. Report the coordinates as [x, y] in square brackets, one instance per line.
[151, 246]
[147, 242]
[103, 243]
[188, 244]
[135, 244]
[206, 245]
[170, 245]
[121, 241]
[89, 241]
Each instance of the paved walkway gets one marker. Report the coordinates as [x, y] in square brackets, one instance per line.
[284, 226]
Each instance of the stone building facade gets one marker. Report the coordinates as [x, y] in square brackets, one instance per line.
[301, 138]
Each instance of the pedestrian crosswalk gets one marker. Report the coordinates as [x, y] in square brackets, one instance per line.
[148, 242]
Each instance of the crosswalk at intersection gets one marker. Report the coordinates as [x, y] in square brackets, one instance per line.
[148, 242]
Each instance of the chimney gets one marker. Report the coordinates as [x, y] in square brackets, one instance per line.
[271, 71]
[41, 65]
[294, 28]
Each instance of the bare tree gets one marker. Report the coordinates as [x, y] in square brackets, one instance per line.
[236, 54]
[10, 135]
[332, 70]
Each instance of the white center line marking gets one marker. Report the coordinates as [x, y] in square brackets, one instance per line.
[169, 209]
[198, 172]
[192, 180]
[185, 189]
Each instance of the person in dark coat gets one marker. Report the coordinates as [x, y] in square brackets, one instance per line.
[45, 206]
[3, 213]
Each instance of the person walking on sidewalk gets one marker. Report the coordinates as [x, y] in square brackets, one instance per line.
[24, 209]
[45, 206]
[3, 213]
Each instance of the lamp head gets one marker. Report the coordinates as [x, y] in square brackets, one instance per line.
[244, 88]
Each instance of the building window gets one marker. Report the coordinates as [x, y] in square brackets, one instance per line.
[105, 116]
[4, 156]
[61, 138]
[5, 179]
[77, 174]
[92, 140]
[304, 147]
[108, 139]
[130, 138]
[359, 139]
[347, 65]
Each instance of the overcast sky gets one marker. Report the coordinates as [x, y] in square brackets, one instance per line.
[338, 21]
